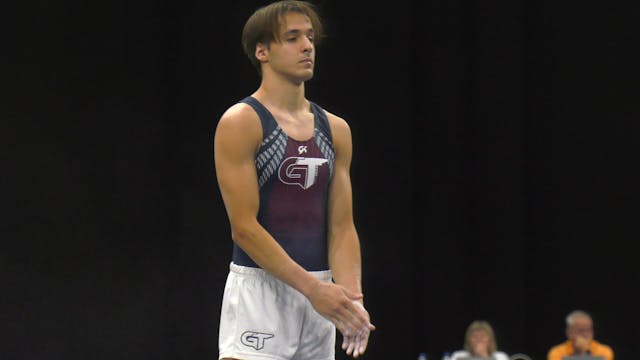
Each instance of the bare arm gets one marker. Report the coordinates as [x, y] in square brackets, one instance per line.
[344, 244]
[238, 136]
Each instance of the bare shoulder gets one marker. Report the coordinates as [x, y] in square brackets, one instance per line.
[238, 132]
[341, 135]
[339, 127]
[239, 123]
[239, 115]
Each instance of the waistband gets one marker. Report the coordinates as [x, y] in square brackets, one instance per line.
[324, 275]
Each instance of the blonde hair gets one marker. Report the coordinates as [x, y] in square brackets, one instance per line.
[482, 326]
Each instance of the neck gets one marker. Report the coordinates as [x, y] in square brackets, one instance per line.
[281, 93]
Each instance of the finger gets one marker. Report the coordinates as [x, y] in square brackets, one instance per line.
[370, 325]
[356, 347]
[360, 313]
[364, 341]
[351, 318]
[345, 343]
[345, 331]
[346, 339]
[355, 344]
[351, 346]
[360, 339]
[351, 343]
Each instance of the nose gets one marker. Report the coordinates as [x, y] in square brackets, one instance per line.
[307, 45]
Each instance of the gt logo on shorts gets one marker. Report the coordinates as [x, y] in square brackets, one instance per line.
[300, 171]
[254, 339]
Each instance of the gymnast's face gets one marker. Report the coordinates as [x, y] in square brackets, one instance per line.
[292, 56]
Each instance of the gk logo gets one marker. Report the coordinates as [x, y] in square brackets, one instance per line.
[302, 149]
[254, 339]
[300, 171]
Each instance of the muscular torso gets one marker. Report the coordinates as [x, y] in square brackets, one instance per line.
[293, 178]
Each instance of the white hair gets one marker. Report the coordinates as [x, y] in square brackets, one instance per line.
[570, 319]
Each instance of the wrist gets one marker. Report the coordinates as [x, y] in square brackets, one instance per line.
[310, 287]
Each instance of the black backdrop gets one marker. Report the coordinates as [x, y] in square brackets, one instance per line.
[494, 171]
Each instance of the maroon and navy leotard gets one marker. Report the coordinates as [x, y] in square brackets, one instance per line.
[294, 177]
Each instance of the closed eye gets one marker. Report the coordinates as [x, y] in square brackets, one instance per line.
[293, 35]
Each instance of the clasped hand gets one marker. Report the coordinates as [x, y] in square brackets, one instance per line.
[345, 310]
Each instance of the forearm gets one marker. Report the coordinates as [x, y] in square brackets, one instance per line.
[265, 251]
[345, 259]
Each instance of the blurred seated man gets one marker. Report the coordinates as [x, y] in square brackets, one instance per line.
[580, 339]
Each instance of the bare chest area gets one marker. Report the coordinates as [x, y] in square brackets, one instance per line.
[298, 127]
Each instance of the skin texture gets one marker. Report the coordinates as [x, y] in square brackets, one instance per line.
[286, 64]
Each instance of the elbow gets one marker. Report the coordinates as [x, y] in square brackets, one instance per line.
[242, 234]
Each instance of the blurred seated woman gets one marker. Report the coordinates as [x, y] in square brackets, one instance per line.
[479, 343]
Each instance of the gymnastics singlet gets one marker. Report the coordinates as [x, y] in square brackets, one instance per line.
[294, 177]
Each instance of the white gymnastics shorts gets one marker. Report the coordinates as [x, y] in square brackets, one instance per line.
[264, 318]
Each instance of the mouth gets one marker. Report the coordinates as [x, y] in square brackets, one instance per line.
[307, 61]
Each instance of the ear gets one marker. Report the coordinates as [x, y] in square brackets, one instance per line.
[262, 52]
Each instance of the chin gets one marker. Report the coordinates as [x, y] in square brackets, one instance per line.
[308, 74]
[304, 78]
[301, 77]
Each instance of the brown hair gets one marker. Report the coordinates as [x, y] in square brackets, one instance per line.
[263, 26]
[482, 326]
